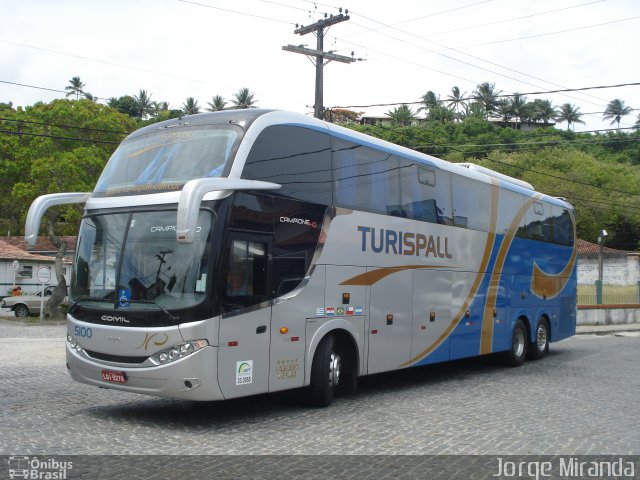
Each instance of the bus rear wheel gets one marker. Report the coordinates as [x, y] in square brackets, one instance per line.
[325, 373]
[519, 342]
[539, 347]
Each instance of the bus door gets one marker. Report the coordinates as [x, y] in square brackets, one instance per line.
[390, 319]
[243, 358]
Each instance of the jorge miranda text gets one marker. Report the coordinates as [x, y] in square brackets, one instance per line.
[565, 467]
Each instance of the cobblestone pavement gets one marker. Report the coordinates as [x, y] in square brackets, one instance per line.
[581, 399]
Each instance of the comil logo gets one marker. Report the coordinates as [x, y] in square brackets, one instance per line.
[111, 318]
[37, 468]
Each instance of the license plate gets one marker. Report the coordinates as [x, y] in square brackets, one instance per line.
[113, 376]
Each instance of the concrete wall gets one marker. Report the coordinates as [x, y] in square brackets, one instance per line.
[617, 270]
[608, 314]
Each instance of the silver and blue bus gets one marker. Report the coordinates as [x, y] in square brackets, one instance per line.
[242, 252]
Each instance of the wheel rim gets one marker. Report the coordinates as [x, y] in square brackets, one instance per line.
[334, 369]
[518, 342]
[21, 312]
[541, 336]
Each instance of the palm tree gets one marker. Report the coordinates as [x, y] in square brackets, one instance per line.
[616, 110]
[429, 101]
[216, 104]
[90, 97]
[144, 105]
[517, 104]
[402, 115]
[75, 87]
[487, 94]
[570, 114]
[190, 106]
[544, 110]
[456, 99]
[243, 98]
[505, 111]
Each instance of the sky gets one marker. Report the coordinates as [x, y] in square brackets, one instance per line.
[176, 49]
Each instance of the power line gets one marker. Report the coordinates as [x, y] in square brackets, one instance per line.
[552, 33]
[64, 126]
[457, 51]
[513, 19]
[58, 137]
[544, 92]
[236, 12]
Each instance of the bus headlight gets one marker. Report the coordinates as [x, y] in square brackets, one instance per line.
[177, 352]
[73, 343]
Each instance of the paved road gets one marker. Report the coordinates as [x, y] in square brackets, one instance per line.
[581, 399]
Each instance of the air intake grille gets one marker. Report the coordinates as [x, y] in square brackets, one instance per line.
[115, 358]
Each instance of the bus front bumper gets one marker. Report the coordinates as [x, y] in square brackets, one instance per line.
[190, 378]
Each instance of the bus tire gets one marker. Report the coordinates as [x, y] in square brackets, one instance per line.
[539, 347]
[516, 355]
[325, 373]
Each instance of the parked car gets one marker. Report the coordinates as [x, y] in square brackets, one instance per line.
[25, 305]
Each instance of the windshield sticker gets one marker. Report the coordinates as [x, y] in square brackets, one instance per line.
[124, 298]
[244, 372]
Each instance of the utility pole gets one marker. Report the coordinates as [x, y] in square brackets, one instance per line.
[318, 56]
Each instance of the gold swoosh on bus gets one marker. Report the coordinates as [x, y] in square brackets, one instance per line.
[547, 285]
[374, 276]
[486, 334]
[488, 247]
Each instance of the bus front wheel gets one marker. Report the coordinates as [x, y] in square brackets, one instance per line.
[518, 352]
[325, 372]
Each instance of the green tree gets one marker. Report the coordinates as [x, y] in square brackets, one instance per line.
[190, 106]
[456, 99]
[429, 102]
[243, 98]
[544, 110]
[125, 104]
[75, 87]
[569, 113]
[217, 103]
[143, 104]
[615, 110]
[487, 95]
[517, 103]
[402, 115]
[91, 98]
[79, 136]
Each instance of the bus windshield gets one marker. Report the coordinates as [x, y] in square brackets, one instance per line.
[132, 260]
[165, 160]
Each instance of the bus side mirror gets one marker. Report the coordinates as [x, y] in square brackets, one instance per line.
[41, 205]
[194, 191]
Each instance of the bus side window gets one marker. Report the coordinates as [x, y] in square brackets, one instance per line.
[297, 158]
[471, 203]
[426, 193]
[366, 179]
[246, 275]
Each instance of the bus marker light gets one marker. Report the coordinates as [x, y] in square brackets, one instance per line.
[374, 332]
[423, 327]
[346, 298]
[295, 339]
[432, 316]
[283, 330]
[233, 344]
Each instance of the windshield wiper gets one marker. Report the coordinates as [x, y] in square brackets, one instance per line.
[86, 298]
[151, 302]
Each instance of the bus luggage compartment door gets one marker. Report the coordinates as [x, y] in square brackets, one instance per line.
[390, 318]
